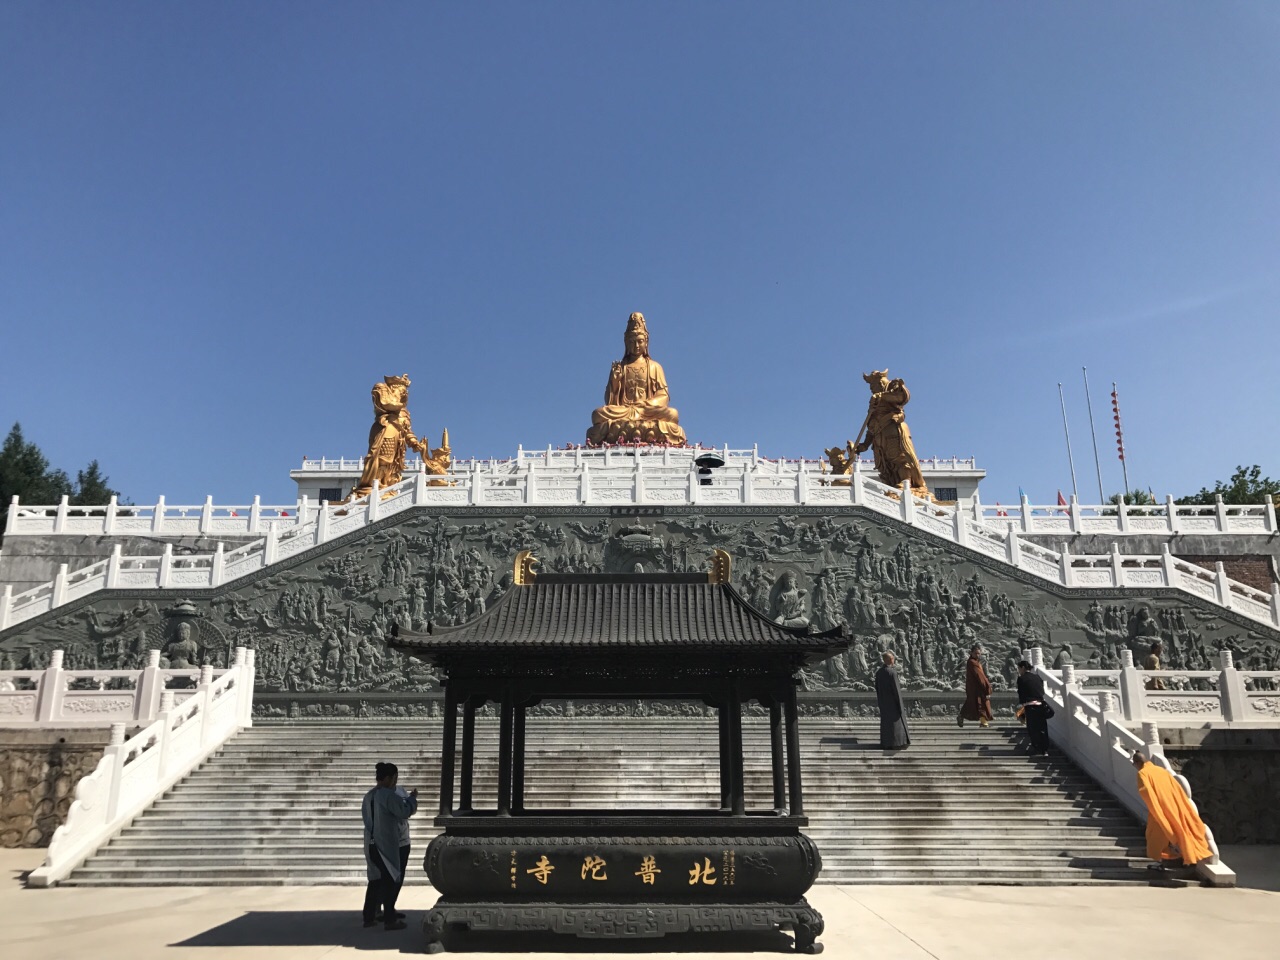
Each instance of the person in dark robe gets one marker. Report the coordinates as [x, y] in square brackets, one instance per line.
[1034, 709]
[893, 717]
[977, 691]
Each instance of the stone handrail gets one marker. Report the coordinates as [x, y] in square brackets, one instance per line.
[1111, 519]
[133, 773]
[166, 519]
[673, 481]
[1095, 738]
[1227, 697]
[52, 698]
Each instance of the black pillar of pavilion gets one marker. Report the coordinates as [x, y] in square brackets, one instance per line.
[629, 872]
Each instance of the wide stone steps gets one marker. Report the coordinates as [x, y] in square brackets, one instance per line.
[280, 803]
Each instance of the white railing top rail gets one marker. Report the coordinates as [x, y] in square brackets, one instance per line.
[1167, 518]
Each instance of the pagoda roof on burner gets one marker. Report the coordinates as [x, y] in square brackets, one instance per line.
[621, 611]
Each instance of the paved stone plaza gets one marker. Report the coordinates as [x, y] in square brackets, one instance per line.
[886, 923]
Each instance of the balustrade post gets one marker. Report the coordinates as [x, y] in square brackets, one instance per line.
[375, 501]
[157, 516]
[1107, 707]
[584, 483]
[1026, 513]
[1166, 565]
[206, 514]
[857, 493]
[166, 566]
[148, 697]
[1133, 702]
[1013, 547]
[59, 587]
[977, 507]
[1171, 509]
[1064, 562]
[1122, 516]
[637, 481]
[1037, 657]
[205, 692]
[420, 485]
[255, 515]
[303, 510]
[1275, 605]
[162, 746]
[959, 530]
[6, 606]
[1269, 515]
[322, 523]
[1223, 585]
[1151, 739]
[477, 484]
[109, 518]
[1233, 698]
[115, 750]
[802, 482]
[531, 484]
[248, 675]
[1117, 565]
[12, 525]
[60, 518]
[1074, 511]
[219, 565]
[908, 503]
[693, 482]
[269, 547]
[113, 567]
[52, 689]
[1220, 513]
[748, 476]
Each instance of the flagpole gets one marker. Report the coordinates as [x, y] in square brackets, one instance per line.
[1067, 431]
[1102, 497]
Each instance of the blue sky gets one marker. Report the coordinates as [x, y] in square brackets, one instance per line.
[221, 223]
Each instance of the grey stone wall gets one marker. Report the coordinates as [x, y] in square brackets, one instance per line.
[39, 770]
[319, 623]
[1234, 777]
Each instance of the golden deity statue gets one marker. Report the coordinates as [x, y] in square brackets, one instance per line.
[637, 406]
[888, 437]
[391, 435]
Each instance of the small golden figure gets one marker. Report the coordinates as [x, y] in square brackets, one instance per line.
[648, 867]
[841, 460]
[594, 866]
[703, 872]
[390, 436]
[541, 870]
[637, 403]
[888, 437]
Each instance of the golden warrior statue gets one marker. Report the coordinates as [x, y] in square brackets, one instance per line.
[637, 405]
[888, 437]
[391, 435]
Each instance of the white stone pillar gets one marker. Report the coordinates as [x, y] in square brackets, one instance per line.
[1067, 570]
[219, 565]
[1013, 546]
[1122, 516]
[255, 515]
[584, 481]
[206, 515]
[1171, 509]
[1132, 693]
[1117, 565]
[375, 502]
[6, 606]
[302, 512]
[166, 566]
[420, 485]
[1269, 512]
[1026, 513]
[1232, 695]
[1223, 584]
[150, 690]
[12, 525]
[959, 529]
[857, 492]
[113, 567]
[1166, 565]
[1074, 510]
[109, 519]
[908, 503]
[59, 587]
[1151, 739]
[1220, 510]
[60, 518]
[51, 690]
[322, 523]
[157, 517]
[269, 547]
[748, 478]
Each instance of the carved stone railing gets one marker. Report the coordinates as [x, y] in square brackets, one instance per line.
[55, 698]
[163, 519]
[133, 773]
[668, 478]
[1227, 697]
[1094, 736]
[1112, 519]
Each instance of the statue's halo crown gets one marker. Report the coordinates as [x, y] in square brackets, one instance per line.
[635, 324]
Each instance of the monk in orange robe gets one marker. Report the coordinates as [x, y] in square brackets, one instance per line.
[977, 691]
[1174, 829]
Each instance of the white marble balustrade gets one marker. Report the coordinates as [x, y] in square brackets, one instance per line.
[55, 698]
[1167, 519]
[620, 477]
[134, 772]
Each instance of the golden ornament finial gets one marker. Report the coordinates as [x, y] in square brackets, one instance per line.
[721, 567]
[523, 573]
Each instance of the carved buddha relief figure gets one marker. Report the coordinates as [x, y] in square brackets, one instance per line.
[637, 404]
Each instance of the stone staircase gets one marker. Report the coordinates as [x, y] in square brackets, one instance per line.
[280, 803]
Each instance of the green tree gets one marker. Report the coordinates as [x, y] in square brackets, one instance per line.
[26, 472]
[1134, 498]
[1246, 486]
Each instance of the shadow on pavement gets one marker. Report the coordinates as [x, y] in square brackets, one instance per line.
[342, 928]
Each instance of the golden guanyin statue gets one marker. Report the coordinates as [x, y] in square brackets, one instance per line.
[888, 437]
[391, 436]
[637, 405]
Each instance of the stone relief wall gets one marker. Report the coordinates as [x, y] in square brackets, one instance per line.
[1235, 778]
[319, 626]
[38, 775]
